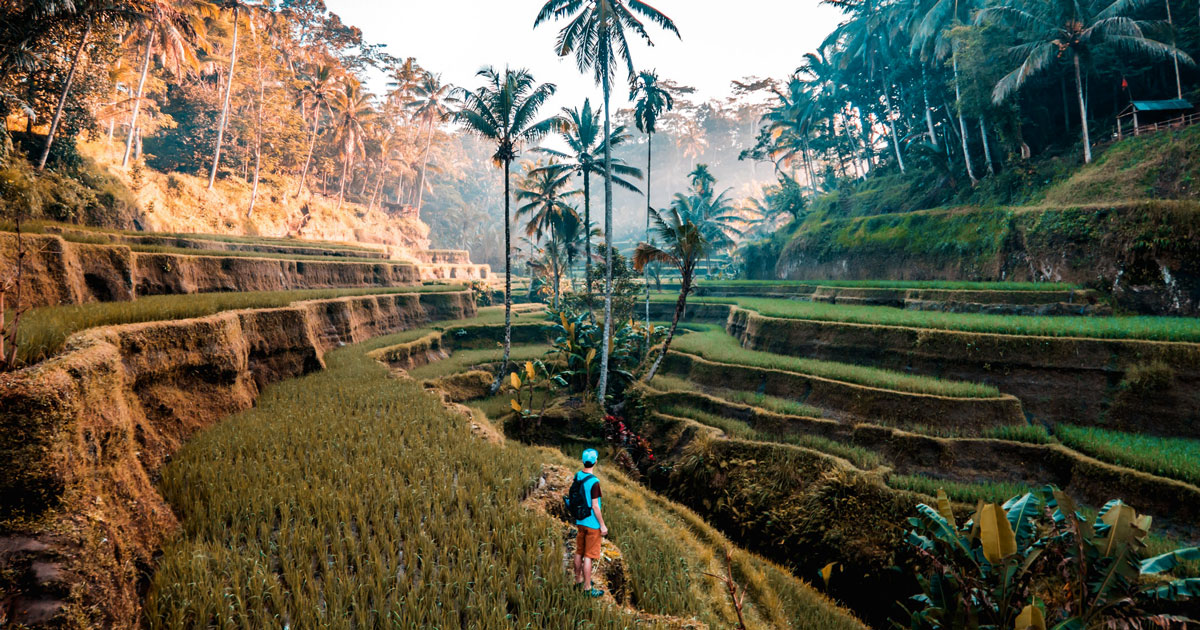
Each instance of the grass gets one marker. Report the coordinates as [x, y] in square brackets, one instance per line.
[40, 228]
[1133, 327]
[668, 383]
[221, 253]
[949, 285]
[1176, 458]
[360, 502]
[463, 360]
[988, 491]
[44, 330]
[1130, 327]
[862, 458]
[717, 345]
[1029, 433]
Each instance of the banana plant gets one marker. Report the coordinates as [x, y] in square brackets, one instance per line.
[1036, 562]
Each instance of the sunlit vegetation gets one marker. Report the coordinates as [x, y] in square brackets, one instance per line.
[44, 330]
[442, 525]
[1177, 458]
[667, 382]
[719, 346]
[463, 360]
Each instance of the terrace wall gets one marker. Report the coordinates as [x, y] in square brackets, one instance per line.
[1057, 379]
[63, 272]
[82, 436]
[199, 242]
[971, 459]
[849, 402]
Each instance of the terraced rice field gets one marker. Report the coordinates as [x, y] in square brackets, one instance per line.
[360, 502]
[1131, 327]
[716, 345]
[949, 285]
[44, 330]
[1177, 458]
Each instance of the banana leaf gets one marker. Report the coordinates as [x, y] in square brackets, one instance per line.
[1176, 590]
[1022, 511]
[1168, 561]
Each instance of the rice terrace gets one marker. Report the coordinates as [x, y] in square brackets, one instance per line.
[600, 314]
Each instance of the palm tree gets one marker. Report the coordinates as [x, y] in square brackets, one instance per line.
[432, 104]
[596, 36]
[504, 110]
[543, 191]
[1074, 28]
[91, 12]
[315, 89]
[651, 100]
[931, 37]
[237, 7]
[581, 133]
[683, 246]
[176, 34]
[352, 112]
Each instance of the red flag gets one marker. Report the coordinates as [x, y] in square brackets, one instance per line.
[1124, 84]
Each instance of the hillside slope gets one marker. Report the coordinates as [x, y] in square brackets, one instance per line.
[1126, 224]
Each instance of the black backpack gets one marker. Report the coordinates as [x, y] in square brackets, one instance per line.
[578, 506]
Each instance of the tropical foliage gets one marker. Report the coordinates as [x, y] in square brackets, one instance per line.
[1037, 562]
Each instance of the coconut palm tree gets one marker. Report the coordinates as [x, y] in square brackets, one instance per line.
[316, 88]
[651, 100]
[352, 113]
[581, 133]
[91, 13]
[432, 104]
[931, 38]
[543, 192]
[596, 35]
[1052, 29]
[176, 34]
[504, 110]
[683, 247]
[238, 7]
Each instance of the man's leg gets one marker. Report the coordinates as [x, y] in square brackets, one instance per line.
[587, 572]
[578, 568]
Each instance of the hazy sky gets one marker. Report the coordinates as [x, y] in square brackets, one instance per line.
[721, 41]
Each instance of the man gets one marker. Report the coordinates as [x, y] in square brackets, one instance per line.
[592, 528]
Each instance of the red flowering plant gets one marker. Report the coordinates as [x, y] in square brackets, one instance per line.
[616, 432]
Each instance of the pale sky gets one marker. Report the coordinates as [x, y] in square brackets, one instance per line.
[721, 41]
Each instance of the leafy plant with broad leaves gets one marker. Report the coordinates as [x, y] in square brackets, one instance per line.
[577, 337]
[1037, 562]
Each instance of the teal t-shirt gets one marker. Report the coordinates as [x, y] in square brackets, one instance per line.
[591, 489]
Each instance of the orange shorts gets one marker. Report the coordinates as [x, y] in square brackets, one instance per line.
[587, 542]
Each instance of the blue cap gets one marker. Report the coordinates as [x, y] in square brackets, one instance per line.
[590, 456]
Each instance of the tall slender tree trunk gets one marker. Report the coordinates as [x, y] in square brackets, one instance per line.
[1174, 56]
[1083, 122]
[312, 143]
[685, 286]
[554, 264]
[587, 234]
[62, 99]
[928, 114]
[812, 172]
[987, 149]
[962, 122]
[212, 176]
[507, 286]
[887, 101]
[137, 101]
[424, 163]
[649, 154]
[345, 169]
[602, 386]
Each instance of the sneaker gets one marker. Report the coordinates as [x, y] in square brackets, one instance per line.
[595, 592]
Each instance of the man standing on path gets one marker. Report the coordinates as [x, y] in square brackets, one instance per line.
[585, 491]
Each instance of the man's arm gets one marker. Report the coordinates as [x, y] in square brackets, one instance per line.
[599, 516]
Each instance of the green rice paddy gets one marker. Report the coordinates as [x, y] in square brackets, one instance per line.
[714, 344]
[1177, 458]
[44, 330]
